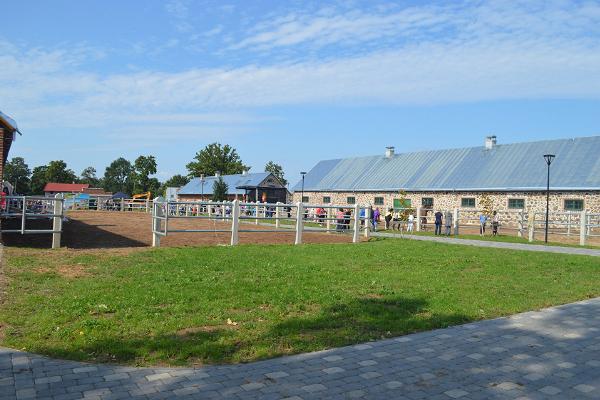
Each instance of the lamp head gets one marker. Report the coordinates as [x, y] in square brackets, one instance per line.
[303, 173]
[549, 158]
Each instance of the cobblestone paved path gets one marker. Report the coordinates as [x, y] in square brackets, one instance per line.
[550, 354]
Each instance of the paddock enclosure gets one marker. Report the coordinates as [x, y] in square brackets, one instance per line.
[105, 229]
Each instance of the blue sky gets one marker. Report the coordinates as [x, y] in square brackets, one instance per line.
[293, 81]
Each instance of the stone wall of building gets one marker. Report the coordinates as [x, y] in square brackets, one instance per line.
[534, 201]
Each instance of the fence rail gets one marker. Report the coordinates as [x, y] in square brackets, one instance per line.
[286, 218]
[34, 208]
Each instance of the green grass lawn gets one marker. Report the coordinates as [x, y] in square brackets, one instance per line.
[190, 306]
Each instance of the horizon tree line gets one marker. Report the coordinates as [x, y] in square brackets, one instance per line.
[135, 177]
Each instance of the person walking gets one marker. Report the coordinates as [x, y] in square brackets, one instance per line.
[347, 218]
[495, 223]
[482, 223]
[376, 215]
[411, 223]
[388, 218]
[438, 222]
[448, 222]
[340, 220]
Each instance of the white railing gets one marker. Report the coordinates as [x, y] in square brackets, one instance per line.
[34, 208]
[102, 203]
[279, 217]
[570, 223]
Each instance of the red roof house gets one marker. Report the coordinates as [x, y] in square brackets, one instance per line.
[54, 188]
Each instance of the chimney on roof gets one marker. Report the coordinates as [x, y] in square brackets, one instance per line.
[389, 152]
[490, 142]
[245, 172]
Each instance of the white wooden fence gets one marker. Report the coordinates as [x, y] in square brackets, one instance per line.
[34, 208]
[279, 217]
[103, 203]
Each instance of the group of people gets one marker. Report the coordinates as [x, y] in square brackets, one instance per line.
[483, 219]
[447, 218]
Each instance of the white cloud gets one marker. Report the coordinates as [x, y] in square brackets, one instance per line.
[489, 52]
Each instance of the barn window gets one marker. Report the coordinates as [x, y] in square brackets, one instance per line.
[518, 204]
[305, 199]
[379, 201]
[467, 202]
[351, 200]
[427, 202]
[326, 199]
[573, 205]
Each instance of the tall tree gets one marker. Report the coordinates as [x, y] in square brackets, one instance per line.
[276, 170]
[38, 179]
[17, 173]
[216, 158]
[118, 176]
[144, 166]
[220, 189]
[88, 176]
[58, 172]
[174, 181]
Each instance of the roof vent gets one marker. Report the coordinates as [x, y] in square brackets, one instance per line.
[490, 142]
[389, 152]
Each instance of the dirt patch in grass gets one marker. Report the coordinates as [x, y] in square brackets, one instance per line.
[72, 271]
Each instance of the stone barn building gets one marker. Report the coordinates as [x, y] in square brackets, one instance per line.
[251, 187]
[513, 176]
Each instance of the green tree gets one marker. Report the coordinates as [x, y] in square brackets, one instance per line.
[220, 190]
[38, 179]
[88, 176]
[144, 166]
[58, 172]
[486, 204]
[276, 170]
[17, 173]
[216, 158]
[174, 181]
[118, 176]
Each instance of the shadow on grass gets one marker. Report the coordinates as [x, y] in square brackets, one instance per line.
[337, 325]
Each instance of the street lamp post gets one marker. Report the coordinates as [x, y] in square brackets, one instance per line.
[549, 158]
[202, 187]
[302, 191]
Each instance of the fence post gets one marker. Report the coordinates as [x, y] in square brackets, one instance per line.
[23, 215]
[367, 222]
[418, 219]
[57, 221]
[355, 237]
[456, 224]
[520, 223]
[256, 211]
[235, 222]
[531, 226]
[329, 214]
[156, 212]
[277, 215]
[299, 222]
[122, 204]
[582, 228]
[568, 223]
[147, 205]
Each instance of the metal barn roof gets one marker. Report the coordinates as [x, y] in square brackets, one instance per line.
[233, 183]
[516, 166]
[9, 122]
